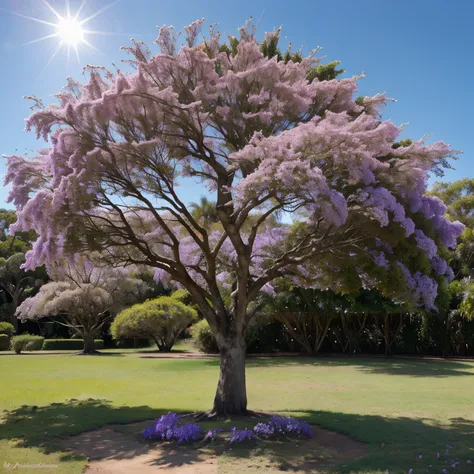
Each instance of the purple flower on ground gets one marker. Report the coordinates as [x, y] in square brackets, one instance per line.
[168, 428]
[264, 429]
[187, 433]
[283, 425]
[211, 434]
[239, 436]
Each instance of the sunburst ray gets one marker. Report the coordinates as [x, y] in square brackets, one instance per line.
[69, 28]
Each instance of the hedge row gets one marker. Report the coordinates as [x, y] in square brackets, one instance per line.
[69, 344]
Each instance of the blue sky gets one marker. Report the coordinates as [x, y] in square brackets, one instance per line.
[419, 52]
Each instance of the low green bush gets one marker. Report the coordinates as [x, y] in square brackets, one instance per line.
[7, 328]
[161, 319]
[4, 342]
[69, 344]
[25, 342]
[204, 340]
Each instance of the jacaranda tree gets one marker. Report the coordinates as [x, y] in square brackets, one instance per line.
[83, 296]
[268, 134]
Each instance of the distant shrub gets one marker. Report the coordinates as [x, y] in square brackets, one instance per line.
[25, 342]
[133, 343]
[161, 319]
[4, 342]
[204, 340]
[7, 328]
[68, 344]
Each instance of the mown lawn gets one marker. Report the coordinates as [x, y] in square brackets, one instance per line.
[402, 408]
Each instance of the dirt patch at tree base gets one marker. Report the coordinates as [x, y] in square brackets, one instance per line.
[110, 451]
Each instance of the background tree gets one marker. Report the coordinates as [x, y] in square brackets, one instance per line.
[307, 314]
[17, 284]
[266, 133]
[162, 319]
[84, 296]
[204, 212]
[459, 199]
[11, 244]
[388, 316]
[455, 322]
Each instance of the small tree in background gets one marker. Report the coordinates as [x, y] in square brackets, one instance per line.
[17, 284]
[84, 296]
[266, 132]
[162, 319]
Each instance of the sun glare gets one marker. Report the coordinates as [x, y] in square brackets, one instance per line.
[70, 31]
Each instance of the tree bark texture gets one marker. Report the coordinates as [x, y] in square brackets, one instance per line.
[231, 394]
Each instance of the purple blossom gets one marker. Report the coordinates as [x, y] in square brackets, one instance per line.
[187, 433]
[385, 246]
[211, 434]
[448, 231]
[264, 430]
[423, 288]
[283, 425]
[240, 436]
[383, 201]
[161, 427]
[169, 428]
[379, 258]
[426, 244]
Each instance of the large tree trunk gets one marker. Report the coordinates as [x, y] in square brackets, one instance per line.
[89, 347]
[231, 395]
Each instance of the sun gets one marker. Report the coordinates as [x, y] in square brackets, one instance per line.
[70, 31]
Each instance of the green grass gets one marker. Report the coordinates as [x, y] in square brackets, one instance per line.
[412, 406]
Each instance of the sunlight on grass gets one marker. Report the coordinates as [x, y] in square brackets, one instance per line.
[409, 405]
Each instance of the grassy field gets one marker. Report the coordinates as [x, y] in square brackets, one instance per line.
[402, 408]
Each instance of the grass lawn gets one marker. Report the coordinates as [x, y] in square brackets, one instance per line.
[413, 407]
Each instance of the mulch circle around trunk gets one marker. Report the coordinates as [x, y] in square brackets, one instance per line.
[117, 449]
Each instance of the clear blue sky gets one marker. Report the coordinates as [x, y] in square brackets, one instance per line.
[419, 52]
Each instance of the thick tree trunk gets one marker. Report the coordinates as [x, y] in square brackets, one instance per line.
[231, 395]
[89, 347]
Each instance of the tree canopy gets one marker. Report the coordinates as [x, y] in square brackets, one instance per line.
[266, 133]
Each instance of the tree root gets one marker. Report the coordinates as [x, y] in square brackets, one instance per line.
[210, 415]
[82, 353]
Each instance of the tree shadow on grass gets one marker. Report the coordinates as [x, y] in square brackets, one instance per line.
[396, 444]
[42, 427]
[63, 353]
[412, 367]
[393, 444]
